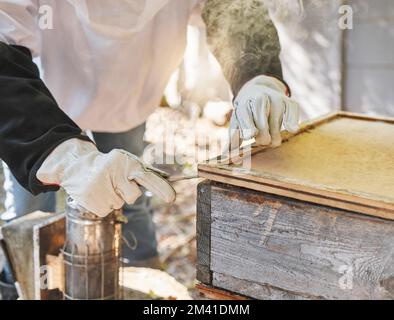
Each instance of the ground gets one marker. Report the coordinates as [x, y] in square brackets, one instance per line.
[176, 231]
[176, 224]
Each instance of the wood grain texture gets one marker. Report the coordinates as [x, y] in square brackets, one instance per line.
[303, 249]
[347, 155]
[204, 232]
[255, 289]
[22, 239]
[213, 293]
[345, 161]
[48, 239]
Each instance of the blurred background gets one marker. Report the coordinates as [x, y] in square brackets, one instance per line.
[335, 55]
[327, 67]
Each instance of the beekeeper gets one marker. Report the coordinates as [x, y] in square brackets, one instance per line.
[105, 65]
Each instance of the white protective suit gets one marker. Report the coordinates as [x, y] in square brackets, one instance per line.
[107, 64]
[106, 70]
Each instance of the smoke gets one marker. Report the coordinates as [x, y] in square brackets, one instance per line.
[298, 10]
[282, 9]
[243, 39]
[243, 34]
[298, 13]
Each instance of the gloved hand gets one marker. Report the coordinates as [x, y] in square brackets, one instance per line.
[260, 109]
[100, 182]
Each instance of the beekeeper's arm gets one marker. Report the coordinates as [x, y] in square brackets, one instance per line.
[41, 145]
[244, 40]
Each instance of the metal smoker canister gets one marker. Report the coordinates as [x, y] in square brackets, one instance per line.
[91, 254]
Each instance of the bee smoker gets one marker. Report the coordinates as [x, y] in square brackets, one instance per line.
[91, 254]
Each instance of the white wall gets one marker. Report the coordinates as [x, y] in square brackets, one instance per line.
[369, 54]
[311, 55]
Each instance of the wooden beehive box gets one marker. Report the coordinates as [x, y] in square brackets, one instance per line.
[312, 219]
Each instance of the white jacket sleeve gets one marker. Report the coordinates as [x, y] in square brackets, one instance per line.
[19, 24]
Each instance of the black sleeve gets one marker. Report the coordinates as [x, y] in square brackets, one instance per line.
[244, 40]
[31, 123]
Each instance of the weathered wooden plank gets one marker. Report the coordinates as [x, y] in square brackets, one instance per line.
[256, 290]
[48, 238]
[22, 238]
[299, 247]
[213, 293]
[203, 226]
[324, 198]
[343, 161]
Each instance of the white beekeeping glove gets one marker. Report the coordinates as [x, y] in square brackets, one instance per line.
[261, 107]
[100, 182]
